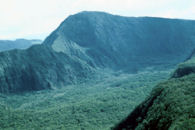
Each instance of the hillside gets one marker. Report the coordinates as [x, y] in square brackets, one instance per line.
[125, 43]
[91, 42]
[170, 105]
[6, 45]
[39, 68]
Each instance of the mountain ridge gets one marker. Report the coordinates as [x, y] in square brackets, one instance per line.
[38, 72]
[85, 43]
[96, 27]
[6, 45]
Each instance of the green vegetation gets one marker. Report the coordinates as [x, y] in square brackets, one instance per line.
[90, 41]
[170, 105]
[96, 105]
[67, 85]
[185, 68]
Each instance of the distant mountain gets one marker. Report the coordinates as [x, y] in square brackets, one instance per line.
[6, 45]
[89, 42]
[170, 105]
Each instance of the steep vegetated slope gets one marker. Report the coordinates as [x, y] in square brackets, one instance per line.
[90, 41]
[39, 68]
[170, 105]
[185, 68]
[6, 45]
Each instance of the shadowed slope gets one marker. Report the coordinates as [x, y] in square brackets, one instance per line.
[170, 105]
[126, 43]
[38, 68]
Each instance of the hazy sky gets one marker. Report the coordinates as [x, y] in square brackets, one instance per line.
[37, 18]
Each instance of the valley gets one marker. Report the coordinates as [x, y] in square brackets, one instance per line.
[94, 105]
[95, 69]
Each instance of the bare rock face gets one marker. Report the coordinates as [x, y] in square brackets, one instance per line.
[90, 41]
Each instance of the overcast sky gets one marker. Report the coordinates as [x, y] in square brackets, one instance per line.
[38, 18]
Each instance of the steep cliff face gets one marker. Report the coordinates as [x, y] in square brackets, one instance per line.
[126, 43]
[89, 41]
[38, 68]
[170, 105]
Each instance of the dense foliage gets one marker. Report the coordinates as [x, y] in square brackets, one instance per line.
[81, 76]
[170, 105]
[96, 105]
